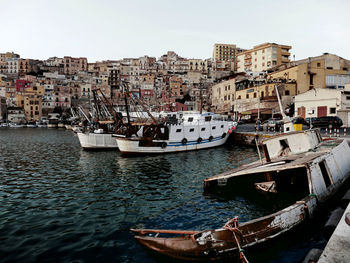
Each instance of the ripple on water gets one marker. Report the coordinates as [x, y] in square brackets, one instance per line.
[60, 203]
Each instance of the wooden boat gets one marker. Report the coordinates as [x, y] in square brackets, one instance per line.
[297, 162]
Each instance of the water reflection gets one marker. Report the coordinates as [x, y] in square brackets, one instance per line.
[60, 203]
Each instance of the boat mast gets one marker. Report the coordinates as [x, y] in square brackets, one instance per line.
[288, 125]
[126, 103]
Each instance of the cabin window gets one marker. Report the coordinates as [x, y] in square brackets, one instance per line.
[178, 130]
[207, 118]
[203, 129]
[190, 119]
[284, 147]
[324, 172]
[213, 128]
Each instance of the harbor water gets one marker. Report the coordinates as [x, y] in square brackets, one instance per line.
[59, 203]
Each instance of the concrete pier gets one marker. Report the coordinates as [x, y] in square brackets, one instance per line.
[338, 246]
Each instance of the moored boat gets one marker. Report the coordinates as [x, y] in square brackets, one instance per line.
[16, 125]
[177, 131]
[98, 139]
[298, 162]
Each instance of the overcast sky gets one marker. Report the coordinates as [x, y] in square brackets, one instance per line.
[114, 29]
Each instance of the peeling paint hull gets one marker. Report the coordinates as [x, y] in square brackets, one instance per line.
[317, 174]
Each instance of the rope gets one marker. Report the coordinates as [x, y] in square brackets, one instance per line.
[235, 230]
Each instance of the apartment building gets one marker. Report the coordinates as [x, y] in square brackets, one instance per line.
[12, 66]
[32, 106]
[223, 96]
[224, 52]
[24, 66]
[263, 57]
[326, 71]
[175, 85]
[74, 65]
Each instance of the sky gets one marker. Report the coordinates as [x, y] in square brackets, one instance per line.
[115, 29]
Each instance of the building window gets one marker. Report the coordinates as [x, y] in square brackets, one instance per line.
[192, 130]
[318, 64]
[247, 96]
[190, 119]
[178, 130]
[254, 94]
[203, 129]
[332, 110]
[286, 92]
[213, 128]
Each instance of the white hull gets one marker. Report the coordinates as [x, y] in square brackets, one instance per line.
[132, 145]
[52, 125]
[97, 141]
[14, 125]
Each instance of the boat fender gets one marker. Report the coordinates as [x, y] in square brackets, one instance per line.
[163, 145]
[184, 141]
[199, 140]
[210, 138]
[223, 135]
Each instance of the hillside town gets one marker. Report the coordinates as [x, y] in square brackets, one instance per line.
[236, 82]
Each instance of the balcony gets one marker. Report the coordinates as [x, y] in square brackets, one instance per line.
[285, 53]
[285, 60]
[247, 63]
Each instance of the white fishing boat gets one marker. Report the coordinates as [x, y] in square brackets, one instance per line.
[16, 125]
[53, 119]
[31, 125]
[97, 140]
[177, 131]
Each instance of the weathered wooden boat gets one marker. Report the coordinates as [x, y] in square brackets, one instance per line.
[297, 162]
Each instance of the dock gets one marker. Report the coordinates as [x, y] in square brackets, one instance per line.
[338, 246]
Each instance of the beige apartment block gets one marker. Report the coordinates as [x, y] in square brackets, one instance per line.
[326, 71]
[74, 65]
[32, 106]
[198, 65]
[223, 96]
[224, 52]
[263, 57]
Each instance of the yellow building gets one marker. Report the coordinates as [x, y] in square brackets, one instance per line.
[222, 96]
[224, 52]
[262, 99]
[263, 57]
[32, 107]
[326, 71]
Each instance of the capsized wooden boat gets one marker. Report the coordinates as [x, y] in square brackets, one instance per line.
[298, 162]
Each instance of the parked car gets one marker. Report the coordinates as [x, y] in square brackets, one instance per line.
[311, 119]
[271, 124]
[327, 122]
